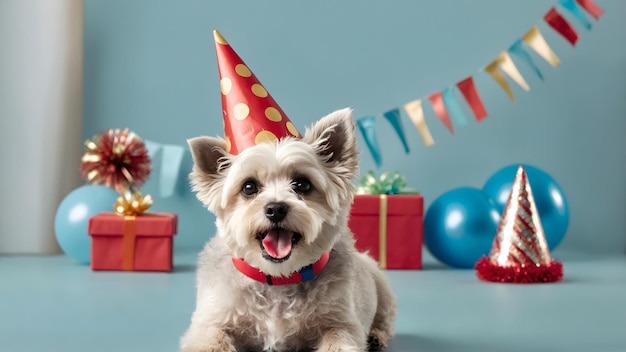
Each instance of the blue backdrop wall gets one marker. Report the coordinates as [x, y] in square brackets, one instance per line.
[150, 66]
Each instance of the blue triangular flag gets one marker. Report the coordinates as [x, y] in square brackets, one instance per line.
[517, 49]
[454, 110]
[152, 147]
[367, 126]
[170, 169]
[393, 116]
[573, 7]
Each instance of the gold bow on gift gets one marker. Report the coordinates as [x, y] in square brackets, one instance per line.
[388, 183]
[132, 203]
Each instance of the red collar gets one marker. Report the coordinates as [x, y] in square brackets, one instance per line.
[305, 274]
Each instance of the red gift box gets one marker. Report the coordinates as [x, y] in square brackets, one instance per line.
[132, 243]
[390, 228]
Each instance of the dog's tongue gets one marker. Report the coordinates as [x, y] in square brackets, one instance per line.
[277, 243]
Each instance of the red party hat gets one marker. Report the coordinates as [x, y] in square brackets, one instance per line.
[520, 251]
[251, 115]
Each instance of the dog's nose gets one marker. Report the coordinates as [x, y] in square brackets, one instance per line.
[276, 212]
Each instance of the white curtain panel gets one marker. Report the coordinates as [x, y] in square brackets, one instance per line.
[41, 64]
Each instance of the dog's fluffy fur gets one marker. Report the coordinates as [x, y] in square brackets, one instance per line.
[346, 306]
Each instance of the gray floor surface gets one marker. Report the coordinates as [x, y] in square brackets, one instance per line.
[54, 304]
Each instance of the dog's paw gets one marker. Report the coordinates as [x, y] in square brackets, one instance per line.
[377, 340]
[374, 344]
[213, 348]
[340, 348]
[209, 340]
[338, 340]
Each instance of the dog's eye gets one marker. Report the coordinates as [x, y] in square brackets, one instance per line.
[249, 188]
[301, 185]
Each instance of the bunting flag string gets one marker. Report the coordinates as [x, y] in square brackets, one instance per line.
[444, 103]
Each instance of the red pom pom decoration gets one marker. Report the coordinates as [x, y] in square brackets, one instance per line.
[116, 159]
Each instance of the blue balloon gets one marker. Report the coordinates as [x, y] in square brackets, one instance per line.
[460, 226]
[549, 199]
[72, 218]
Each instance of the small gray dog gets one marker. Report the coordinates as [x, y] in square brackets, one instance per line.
[282, 273]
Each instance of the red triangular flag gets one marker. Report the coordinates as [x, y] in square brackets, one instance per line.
[591, 7]
[439, 107]
[560, 24]
[468, 89]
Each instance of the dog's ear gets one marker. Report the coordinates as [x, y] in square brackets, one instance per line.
[333, 138]
[210, 160]
[206, 153]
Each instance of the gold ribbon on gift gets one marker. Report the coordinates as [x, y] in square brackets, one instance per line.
[382, 232]
[128, 243]
[129, 205]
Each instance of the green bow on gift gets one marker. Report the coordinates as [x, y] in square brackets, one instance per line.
[388, 183]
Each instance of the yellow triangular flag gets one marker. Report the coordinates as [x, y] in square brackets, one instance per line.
[508, 66]
[416, 113]
[535, 40]
[492, 69]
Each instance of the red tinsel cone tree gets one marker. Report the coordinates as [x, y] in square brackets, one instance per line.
[520, 252]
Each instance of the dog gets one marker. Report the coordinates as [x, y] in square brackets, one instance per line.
[280, 207]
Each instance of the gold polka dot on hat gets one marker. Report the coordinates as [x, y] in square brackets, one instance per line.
[241, 111]
[243, 70]
[226, 84]
[292, 129]
[227, 144]
[273, 114]
[258, 90]
[265, 136]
